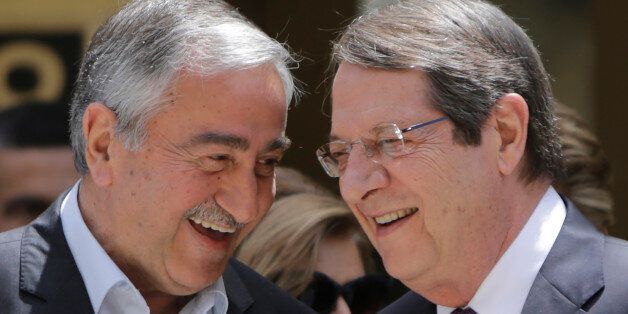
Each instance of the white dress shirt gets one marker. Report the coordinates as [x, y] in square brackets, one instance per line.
[109, 289]
[505, 289]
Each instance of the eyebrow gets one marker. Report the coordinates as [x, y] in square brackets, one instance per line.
[229, 140]
[333, 137]
[237, 142]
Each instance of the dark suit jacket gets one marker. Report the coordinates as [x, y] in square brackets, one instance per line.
[38, 275]
[585, 272]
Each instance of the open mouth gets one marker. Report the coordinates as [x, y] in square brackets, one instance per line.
[393, 217]
[212, 230]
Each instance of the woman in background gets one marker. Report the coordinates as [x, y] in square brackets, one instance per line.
[587, 181]
[310, 245]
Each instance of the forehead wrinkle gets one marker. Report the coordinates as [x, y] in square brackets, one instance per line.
[333, 137]
[229, 140]
[368, 122]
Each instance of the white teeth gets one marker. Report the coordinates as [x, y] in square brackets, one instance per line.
[390, 217]
[210, 225]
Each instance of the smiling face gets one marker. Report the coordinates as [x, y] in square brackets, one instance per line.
[438, 221]
[202, 180]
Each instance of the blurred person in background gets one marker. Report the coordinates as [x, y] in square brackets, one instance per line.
[587, 181]
[291, 181]
[35, 161]
[311, 246]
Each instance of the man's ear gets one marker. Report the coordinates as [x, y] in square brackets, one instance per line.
[511, 116]
[98, 128]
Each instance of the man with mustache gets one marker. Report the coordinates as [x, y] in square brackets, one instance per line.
[444, 141]
[177, 122]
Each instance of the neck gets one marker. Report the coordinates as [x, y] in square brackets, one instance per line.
[514, 210]
[159, 302]
[91, 204]
[95, 206]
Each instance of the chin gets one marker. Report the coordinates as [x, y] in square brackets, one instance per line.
[405, 270]
[396, 270]
[189, 280]
[188, 286]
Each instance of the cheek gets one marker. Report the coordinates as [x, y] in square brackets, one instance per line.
[364, 222]
[162, 199]
[437, 184]
[192, 190]
[452, 171]
[184, 186]
[265, 194]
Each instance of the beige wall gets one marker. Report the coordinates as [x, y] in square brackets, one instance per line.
[611, 84]
[56, 15]
[22, 21]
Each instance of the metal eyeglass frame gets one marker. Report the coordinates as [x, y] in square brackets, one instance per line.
[330, 163]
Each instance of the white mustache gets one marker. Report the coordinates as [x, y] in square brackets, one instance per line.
[211, 211]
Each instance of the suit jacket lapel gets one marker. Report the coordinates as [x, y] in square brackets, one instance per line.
[418, 304]
[572, 273]
[47, 268]
[239, 297]
[409, 303]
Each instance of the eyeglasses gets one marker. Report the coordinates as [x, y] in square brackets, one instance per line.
[389, 141]
[364, 295]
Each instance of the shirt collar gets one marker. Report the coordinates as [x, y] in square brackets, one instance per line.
[211, 300]
[506, 287]
[100, 273]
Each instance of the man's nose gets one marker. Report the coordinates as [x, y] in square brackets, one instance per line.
[361, 176]
[239, 193]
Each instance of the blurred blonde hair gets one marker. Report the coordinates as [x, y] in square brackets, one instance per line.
[291, 181]
[587, 180]
[284, 246]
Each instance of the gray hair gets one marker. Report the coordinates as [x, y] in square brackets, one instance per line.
[134, 57]
[472, 54]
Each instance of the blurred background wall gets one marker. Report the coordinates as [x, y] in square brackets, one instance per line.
[41, 43]
[584, 45]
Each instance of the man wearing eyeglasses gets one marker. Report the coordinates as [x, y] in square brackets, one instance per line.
[444, 143]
